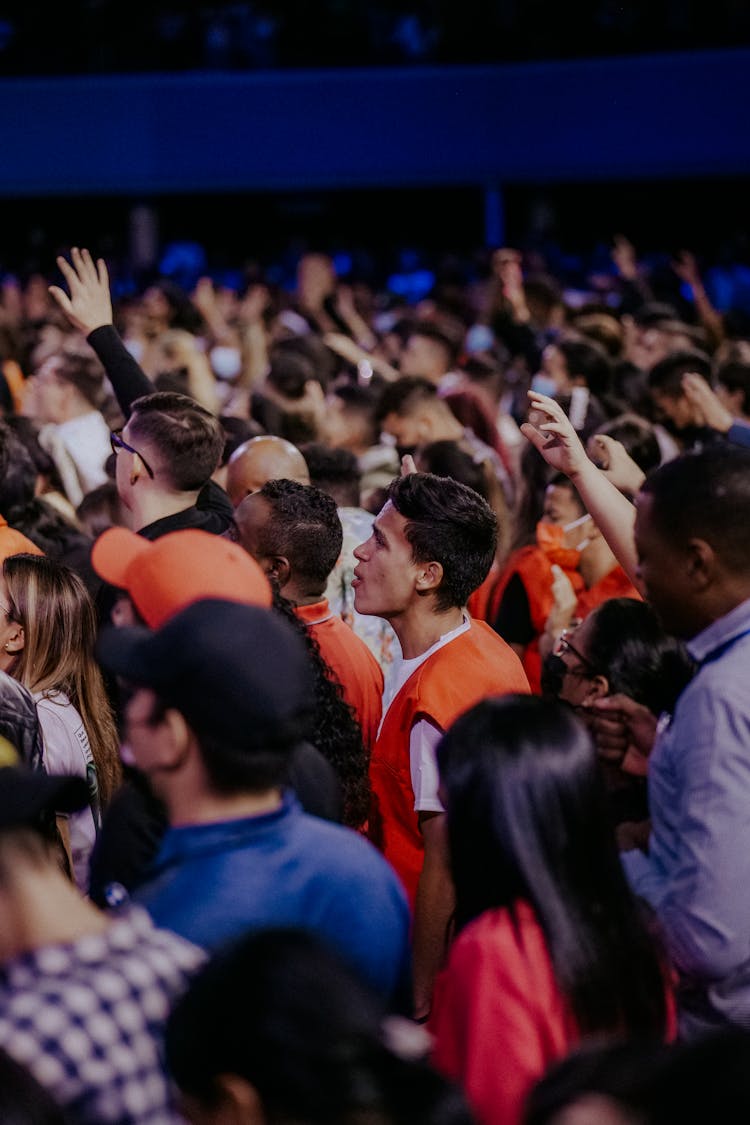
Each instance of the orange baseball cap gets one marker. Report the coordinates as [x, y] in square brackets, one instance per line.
[169, 574]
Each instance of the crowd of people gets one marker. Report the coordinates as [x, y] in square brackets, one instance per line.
[374, 721]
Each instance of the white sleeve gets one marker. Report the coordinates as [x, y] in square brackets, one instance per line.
[423, 741]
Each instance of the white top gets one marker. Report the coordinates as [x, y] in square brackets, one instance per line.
[67, 752]
[87, 440]
[424, 735]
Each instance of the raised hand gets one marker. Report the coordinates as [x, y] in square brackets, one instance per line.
[624, 257]
[550, 431]
[616, 463]
[686, 268]
[707, 406]
[88, 304]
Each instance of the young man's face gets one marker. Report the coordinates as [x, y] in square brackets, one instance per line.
[675, 408]
[662, 573]
[386, 574]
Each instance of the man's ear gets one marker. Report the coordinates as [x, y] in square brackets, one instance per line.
[279, 571]
[16, 641]
[239, 1101]
[429, 577]
[175, 741]
[702, 563]
[598, 688]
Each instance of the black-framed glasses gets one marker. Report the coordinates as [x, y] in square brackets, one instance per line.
[563, 645]
[117, 442]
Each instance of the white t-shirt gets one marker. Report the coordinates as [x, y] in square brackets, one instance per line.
[424, 735]
[67, 752]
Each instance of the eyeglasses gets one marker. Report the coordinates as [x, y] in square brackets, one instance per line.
[563, 645]
[116, 441]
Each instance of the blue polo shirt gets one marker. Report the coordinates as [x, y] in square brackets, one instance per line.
[212, 883]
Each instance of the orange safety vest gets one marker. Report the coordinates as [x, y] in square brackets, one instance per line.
[471, 667]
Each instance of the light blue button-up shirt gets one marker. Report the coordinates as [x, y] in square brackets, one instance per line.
[697, 872]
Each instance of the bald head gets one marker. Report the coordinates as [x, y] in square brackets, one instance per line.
[261, 459]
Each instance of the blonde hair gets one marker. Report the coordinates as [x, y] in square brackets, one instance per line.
[59, 623]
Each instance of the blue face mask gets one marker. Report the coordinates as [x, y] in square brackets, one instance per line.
[544, 384]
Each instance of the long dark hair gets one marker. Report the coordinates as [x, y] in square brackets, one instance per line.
[528, 820]
[282, 1012]
[336, 732]
[627, 644]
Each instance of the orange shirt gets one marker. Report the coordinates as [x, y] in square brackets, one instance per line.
[12, 542]
[474, 665]
[534, 569]
[351, 662]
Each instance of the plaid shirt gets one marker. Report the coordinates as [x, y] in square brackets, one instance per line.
[87, 1018]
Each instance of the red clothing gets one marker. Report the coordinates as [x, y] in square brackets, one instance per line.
[479, 600]
[616, 584]
[351, 662]
[498, 1017]
[534, 569]
[471, 667]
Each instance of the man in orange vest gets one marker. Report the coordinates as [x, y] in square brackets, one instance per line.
[431, 546]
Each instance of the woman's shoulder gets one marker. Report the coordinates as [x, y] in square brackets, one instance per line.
[506, 935]
[66, 744]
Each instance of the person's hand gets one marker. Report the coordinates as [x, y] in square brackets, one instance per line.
[254, 304]
[564, 602]
[707, 406]
[620, 725]
[624, 257]
[204, 298]
[616, 463]
[507, 269]
[550, 431]
[407, 465]
[89, 305]
[179, 347]
[686, 268]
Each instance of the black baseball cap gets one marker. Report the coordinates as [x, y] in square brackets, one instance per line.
[240, 673]
[27, 795]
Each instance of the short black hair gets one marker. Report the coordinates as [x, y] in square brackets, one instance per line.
[705, 495]
[638, 437]
[402, 396]
[627, 644]
[588, 361]
[666, 375]
[448, 459]
[282, 1010]
[440, 334]
[188, 438]
[362, 402]
[305, 529]
[334, 471]
[736, 377]
[449, 523]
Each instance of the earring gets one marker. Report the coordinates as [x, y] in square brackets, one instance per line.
[7, 647]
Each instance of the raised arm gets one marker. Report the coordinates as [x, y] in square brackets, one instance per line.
[88, 307]
[549, 430]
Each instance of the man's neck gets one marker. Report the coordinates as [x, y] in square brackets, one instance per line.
[597, 561]
[420, 628]
[46, 909]
[152, 506]
[185, 807]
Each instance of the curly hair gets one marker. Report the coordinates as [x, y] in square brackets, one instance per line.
[336, 732]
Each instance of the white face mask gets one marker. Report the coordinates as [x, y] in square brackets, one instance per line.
[577, 523]
[226, 363]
